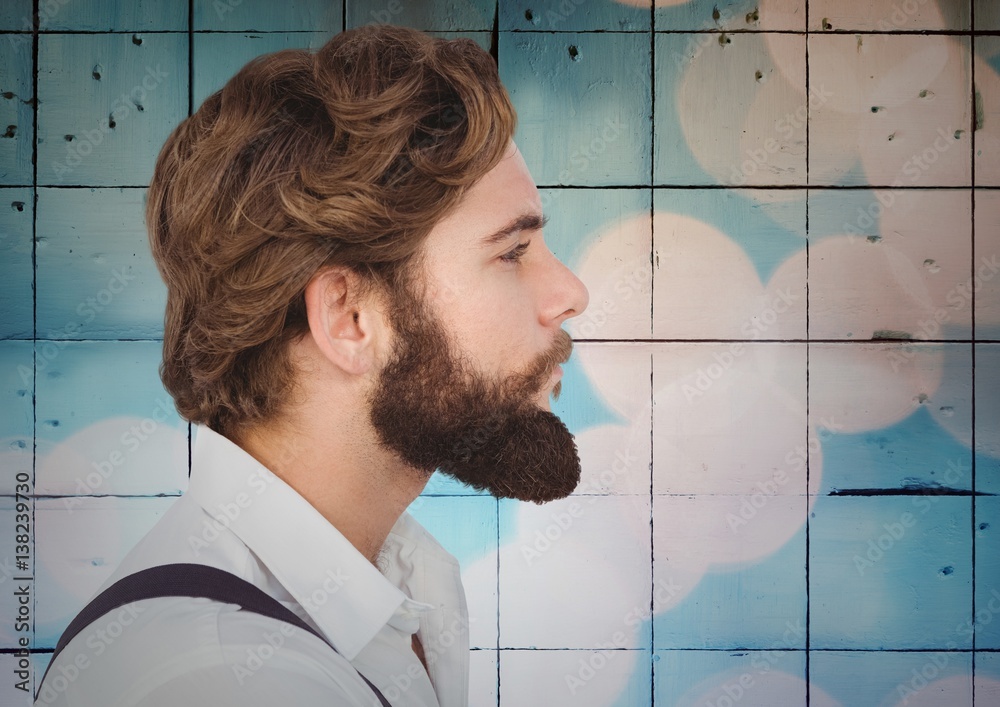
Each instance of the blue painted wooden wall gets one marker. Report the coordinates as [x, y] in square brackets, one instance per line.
[785, 390]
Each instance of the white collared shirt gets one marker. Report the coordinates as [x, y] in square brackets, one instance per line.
[239, 517]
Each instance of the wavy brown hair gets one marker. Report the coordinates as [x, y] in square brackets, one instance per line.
[347, 157]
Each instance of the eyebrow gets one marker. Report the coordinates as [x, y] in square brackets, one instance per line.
[524, 222]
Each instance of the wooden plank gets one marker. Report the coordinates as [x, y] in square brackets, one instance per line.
[265, 16]
[573, 16]
[987, 15]
[17, 280]
[729, 15]
[987, 110]
[731, 109]
[15, 15]
[17, 392]
[896, 678]
[988, 573]
[987, 420]
[96, 275]
[444, 15]
[890, 264]
[113, 15]
[889, 15]
[583, 103]
[725, 578]
[89, 82]
[877, 563]
[106, 425]
[895, 112]
[698, 678]
[558, 550]
[725, 269]
[577, 677]
[17, 120]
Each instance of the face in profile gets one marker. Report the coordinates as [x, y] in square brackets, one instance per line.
[466, 387]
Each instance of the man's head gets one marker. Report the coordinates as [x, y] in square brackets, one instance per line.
[346, 157]
[347, 166]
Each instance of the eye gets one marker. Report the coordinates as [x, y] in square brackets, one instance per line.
[514, 254]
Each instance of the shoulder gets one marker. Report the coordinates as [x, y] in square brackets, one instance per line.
[185, 533]
[178, 650]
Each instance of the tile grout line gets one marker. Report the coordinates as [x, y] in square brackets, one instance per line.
[652, 279]
[808, 637]
[190, 111]
[972, 333]
[820, 33]
[35, 41]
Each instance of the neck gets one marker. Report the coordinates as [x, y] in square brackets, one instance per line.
[356, 484]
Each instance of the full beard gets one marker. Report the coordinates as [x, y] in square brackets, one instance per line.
[435, 411]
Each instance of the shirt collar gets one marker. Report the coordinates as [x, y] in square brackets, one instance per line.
[345, 595]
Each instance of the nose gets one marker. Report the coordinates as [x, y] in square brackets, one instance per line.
[567, 295]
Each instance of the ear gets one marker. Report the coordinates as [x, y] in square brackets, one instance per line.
[346, 328]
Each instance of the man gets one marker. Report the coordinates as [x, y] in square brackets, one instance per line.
[359, 293]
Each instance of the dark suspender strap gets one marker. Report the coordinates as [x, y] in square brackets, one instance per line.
[186, 580]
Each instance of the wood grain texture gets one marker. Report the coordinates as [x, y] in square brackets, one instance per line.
[17, 207]
[730, 109]
[17, 391]
[264, 16]
[445, 15]
[987, 450]
[107, 104]
[105, 424]
[987, 14]
[592, 88]
[15, 15]
[730, 15]
[849, 15]
[17, 120]
[96, 275]
[877, 563]
[771, 676]
[572, 16]
[113, 15]
[891, 676]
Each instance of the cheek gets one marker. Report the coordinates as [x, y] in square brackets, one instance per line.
[491, 335]
[448, 293]
[508, 342]
[491, 316]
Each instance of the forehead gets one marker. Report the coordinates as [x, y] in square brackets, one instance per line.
[504, 194]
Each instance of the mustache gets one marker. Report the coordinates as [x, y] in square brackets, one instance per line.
[545, 363]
